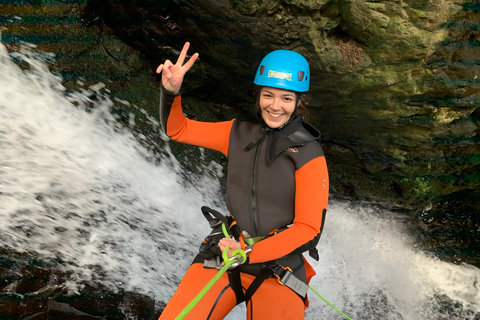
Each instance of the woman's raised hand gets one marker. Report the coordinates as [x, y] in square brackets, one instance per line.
[172, 74]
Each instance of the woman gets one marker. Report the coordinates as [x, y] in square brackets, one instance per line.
[277, 189]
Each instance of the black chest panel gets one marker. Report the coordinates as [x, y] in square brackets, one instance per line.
[261, 181]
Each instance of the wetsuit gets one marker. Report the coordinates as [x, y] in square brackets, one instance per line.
[277, 180]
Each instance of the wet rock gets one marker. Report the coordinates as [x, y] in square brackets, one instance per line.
[34, 289]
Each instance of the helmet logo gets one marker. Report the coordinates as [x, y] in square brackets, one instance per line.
[279, 75]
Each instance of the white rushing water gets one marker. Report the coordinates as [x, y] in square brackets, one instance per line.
[77, 186]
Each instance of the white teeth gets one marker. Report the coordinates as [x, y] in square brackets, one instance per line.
[275, 115]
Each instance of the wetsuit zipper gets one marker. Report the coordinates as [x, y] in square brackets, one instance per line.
[255, 224]
[253, 213]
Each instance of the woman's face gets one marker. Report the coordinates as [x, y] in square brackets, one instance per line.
[276, 105]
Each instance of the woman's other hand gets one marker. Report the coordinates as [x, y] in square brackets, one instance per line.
[172, 74]
[230, 243]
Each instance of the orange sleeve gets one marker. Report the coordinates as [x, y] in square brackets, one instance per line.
[311, 198]
[211, 135]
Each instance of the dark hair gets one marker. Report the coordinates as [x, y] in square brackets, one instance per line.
[300, 110]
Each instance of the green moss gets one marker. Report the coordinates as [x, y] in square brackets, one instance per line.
[463, 159]
[330, 58]
[472, 179]
[471, 6]
[420, 189]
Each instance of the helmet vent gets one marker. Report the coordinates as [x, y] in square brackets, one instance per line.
[301, 74]
[262, 69]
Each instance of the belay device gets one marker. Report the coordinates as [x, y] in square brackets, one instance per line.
[209, 249]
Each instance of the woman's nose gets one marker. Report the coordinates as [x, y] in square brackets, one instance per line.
[276, 104]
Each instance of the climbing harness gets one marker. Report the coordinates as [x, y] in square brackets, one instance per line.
[226, 227]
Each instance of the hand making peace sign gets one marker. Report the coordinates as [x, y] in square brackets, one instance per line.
[172, 74]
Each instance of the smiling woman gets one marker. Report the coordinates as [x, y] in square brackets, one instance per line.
[277, 106]
[277, 191]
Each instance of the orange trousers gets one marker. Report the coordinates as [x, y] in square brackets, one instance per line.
[270, 301]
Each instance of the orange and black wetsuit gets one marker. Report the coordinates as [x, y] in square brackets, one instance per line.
[277, 179]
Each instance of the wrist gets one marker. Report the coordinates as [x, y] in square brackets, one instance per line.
[169, 91]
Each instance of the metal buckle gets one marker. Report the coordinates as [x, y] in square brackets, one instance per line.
[281, 280]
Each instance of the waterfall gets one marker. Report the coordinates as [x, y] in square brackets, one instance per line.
[77, 186]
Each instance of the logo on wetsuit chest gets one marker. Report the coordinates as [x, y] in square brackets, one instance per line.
[292, 149]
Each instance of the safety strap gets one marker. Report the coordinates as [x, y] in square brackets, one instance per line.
[285, 277]
[265, 274]
[248, 240]
[236, 284]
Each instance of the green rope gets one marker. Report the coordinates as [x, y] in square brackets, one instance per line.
[236, 255]
[200, 295]
[225, 232]
[330, 304]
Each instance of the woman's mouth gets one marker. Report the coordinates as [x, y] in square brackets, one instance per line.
[274, 115]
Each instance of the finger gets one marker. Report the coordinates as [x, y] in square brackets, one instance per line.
[221, 245]
[166, 68]
[190, 62]
[183, 54]
[160, 68]
[226, 241]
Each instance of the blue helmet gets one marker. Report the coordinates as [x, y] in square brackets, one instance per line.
[284, 69]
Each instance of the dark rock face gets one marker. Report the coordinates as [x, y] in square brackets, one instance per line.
[395, 88]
